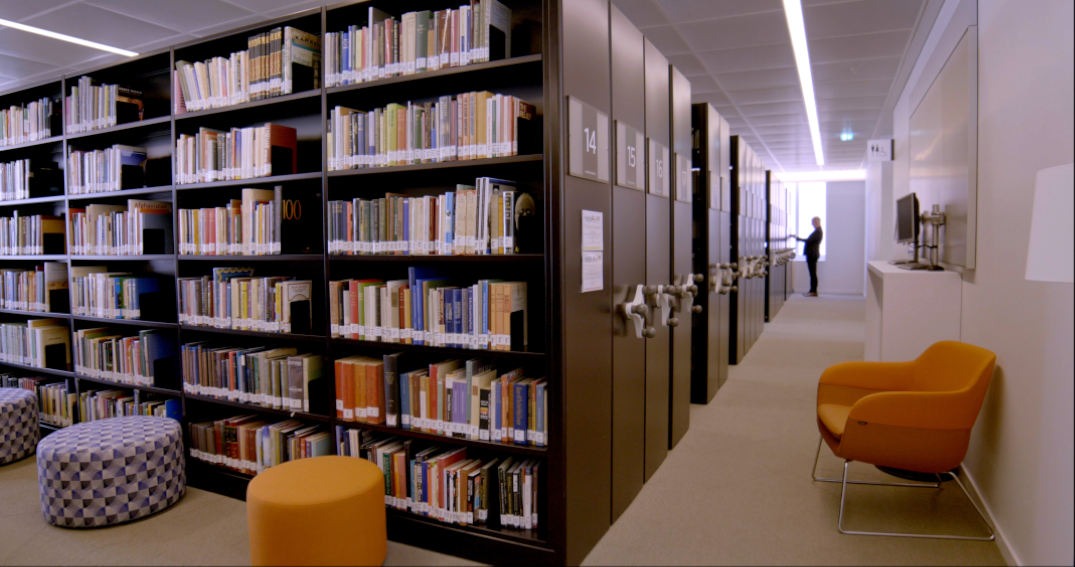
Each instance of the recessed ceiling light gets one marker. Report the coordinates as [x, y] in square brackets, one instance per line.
[847, 136]
[793, 13]
[67, 38]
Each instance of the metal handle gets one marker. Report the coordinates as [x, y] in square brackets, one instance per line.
[637, 313]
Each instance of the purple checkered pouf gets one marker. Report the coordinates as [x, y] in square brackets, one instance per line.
[110, 471]
[18, 424]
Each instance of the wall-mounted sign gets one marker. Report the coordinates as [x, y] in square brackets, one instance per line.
[658, 168]
[587, 141]
[684, 185]
[630, 157]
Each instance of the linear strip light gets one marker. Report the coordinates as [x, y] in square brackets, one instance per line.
[67, 38]
[793, 12]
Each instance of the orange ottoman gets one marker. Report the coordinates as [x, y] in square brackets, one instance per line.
[319, 511]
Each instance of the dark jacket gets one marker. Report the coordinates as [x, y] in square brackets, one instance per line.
[813, 244]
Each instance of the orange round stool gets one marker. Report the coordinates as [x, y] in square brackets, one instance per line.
[319, 511]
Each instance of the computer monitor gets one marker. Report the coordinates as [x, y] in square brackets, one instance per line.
[907, 219]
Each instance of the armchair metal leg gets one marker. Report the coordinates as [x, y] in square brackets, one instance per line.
[813, 474]
[843, 497]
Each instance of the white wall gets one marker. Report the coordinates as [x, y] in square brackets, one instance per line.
[845, 235]
[880, 242]
[1021, 453]
[843, 269]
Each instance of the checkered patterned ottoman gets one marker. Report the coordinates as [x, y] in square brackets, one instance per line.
[110, 471]
[18, 424]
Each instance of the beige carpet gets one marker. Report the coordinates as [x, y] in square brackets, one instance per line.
[736, 490]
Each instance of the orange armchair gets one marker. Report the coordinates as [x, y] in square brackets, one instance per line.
[915, 416]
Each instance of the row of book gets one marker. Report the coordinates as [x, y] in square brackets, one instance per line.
[43, 343]
[453, 398]
[60, 406]
[417, 41]
[427, 309]
[15, 180]
[104, 354]
[56, 403]
[278, 378]
[139, 227]
[280, 61]
[97, 292]
[232, 298]
[101, 404]
[471, 125]
[474, 219]
[26, 123]
[32, 289]
[248, 226]
[238, 153]
[109, 169]
[446, 484]
[27, 235]
[249, 444]
[92, 107]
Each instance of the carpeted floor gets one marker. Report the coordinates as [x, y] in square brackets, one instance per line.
[736, 490]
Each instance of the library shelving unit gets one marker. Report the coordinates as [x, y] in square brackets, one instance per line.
[188, 149]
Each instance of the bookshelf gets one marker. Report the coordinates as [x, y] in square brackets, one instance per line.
[712, 202]
[269, 166]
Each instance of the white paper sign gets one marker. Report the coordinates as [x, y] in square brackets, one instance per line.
[593, 246]
[593, 273]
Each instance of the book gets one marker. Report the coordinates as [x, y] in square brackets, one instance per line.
[278, 150]
[301, 61]
[392, 389]
[150, 226]
[294, 308]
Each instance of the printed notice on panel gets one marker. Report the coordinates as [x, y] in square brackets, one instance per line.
[593, 273]
[593, 251]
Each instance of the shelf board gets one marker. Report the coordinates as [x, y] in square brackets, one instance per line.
[44, 314]
[32, 201]
[446, 351]
[120, 193]
[123, 258]
[258, 258]
[49, 140]
[238, 332]
[259, 103]
[39, 257]
[428, 259]
[248, 407]
[476, 542]
[144, 388]
[269, 180]
[463, 163]
[129, 322]
[50, 371]
[417, 78]
[148, 123]
[525, 450]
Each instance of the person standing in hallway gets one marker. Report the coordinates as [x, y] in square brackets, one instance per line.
[812, 251]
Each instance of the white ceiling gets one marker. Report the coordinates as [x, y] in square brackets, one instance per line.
[736, 53]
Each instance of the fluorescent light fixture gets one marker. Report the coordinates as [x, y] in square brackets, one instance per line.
[825, 175]
[67, 38]
[793, 13]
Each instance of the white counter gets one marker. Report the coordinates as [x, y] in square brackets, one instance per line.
[908, 310]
